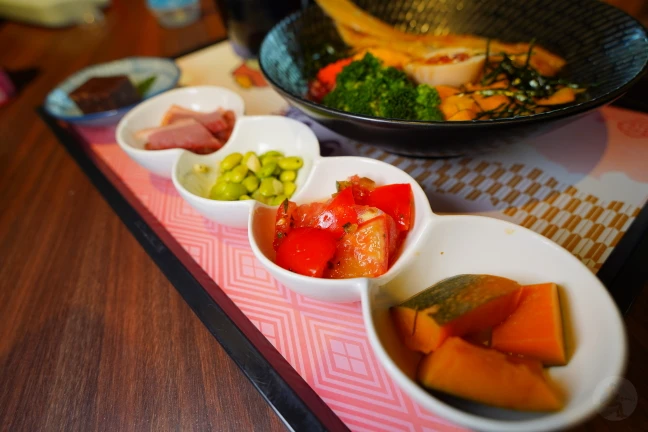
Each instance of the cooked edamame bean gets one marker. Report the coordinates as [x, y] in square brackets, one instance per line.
[267, 160]
[267, 170]
[231, 160]
[226, 177]
[287, 176]
[268, 178]
[251, 183]
[217, 189]
[289, 188]
[253, 163]
[231, 192]
[278, 199]
[238, 173]
[272, 153]
[247, 156]
[270, 186]
[257, 196]
[292, 163]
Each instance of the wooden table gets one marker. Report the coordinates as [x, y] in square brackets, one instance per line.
[92, 335]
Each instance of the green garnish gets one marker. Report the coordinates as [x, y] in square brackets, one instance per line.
[367, 87]
[145, 85]
[524, 84]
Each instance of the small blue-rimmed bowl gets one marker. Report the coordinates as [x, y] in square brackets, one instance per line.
[59, 105]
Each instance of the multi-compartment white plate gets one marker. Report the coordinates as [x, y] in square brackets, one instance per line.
[437, 247]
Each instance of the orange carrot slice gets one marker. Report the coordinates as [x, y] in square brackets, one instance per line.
[563, 96]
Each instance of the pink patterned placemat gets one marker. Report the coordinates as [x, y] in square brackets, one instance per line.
[325, 343]
[581, 185]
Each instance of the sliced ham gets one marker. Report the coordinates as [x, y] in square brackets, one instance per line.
[185, 133]
[229, 118]
[216, 121]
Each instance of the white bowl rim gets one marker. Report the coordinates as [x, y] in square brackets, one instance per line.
[230, 145]
[562, 419]
[152, 101]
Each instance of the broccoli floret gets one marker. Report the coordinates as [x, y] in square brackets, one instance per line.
[355, 88]
[427, 103]
[353, 97]
[359, 70]
[397, 103]
[394, 77]
[366, 87]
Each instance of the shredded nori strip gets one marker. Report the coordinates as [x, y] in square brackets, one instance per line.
[524, 84]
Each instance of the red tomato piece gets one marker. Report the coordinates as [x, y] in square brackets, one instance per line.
[306, 214]
[332, 216]
[361, 187]
[317, 91]
[400, 239]
[306, 251]
[337, 220]
[328, 74]
[339, 214]
[367, 252]
[342, 198]
[395, 240]
[283, 222]
[396, 200]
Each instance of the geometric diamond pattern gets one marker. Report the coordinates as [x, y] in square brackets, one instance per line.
[326, 343]
[347, 356]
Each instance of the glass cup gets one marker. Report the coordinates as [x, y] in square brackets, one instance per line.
[248, 21]
[175, 13]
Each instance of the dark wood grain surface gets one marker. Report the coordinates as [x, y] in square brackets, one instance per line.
[92, 335]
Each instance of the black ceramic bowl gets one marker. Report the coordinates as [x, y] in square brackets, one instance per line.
[600, 43]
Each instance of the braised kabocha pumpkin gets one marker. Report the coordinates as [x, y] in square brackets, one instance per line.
[485, 375]
[486, 339]
[456, 306]
[535, 328]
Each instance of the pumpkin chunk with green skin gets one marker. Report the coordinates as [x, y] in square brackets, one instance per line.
[488, 376]
[456, 306]
[535, 328]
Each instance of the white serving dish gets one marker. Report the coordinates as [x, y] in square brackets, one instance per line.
[436, 247]
[254, 133]
[595, 334]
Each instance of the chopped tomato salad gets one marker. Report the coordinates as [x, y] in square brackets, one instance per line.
[306, 251]
[356, 233]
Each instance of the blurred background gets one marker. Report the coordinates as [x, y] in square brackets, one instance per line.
[45, 40]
